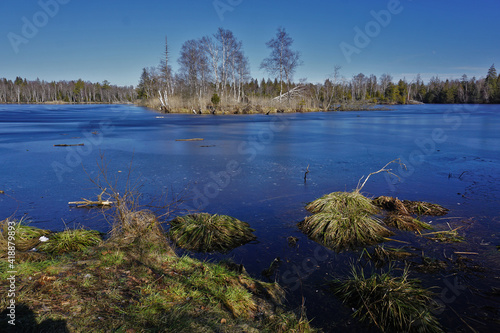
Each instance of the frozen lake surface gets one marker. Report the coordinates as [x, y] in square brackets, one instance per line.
[252, 167]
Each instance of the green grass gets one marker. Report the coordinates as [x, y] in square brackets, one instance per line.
[397, 304]
[70, 241]
[209, 233]
[26, 237]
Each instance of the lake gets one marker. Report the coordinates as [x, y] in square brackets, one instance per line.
[252, 167]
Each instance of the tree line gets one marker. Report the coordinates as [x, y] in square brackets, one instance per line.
[24, 91]
[214, 72]
[214, 68]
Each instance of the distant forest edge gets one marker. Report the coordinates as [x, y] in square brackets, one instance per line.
[214, 76]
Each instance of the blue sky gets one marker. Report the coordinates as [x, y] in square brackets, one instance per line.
[113, 40]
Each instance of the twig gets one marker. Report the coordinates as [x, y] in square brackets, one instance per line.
[305, 174]
[194, 139]
[389, 171]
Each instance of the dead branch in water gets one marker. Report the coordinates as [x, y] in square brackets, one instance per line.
[194, 139]
[90, 203]
[73, 145]
[384, 169]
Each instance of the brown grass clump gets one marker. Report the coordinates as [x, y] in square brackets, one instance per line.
[405, 222]
[209, 233]
[424, 208]
[399, 216]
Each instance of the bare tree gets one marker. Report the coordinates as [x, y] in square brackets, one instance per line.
[283, 61]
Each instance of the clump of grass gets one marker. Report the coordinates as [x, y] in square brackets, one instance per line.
[396, 304]
[75, 240]
[26, 237]
[341, 202]
[139, 229]
[424, 208]
[343, 220]
[209, 233]
[287, 322]
[399, 215]
[341, 231]
[405, 222]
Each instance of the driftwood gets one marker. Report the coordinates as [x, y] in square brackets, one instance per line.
[89, 203]
[64, 145]
[194, 139]
[298, 91]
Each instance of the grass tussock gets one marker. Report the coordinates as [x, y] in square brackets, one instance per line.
[340, 232]
[400, 214]
[393, 304]
[342, 202]
[70, 241]
[26, 237]
[209, 233]
[343, 220]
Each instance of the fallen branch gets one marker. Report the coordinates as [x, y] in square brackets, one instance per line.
[194, 139]
[389, 171]
[90, 203]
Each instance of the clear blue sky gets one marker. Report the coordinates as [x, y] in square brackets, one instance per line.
[113, 40]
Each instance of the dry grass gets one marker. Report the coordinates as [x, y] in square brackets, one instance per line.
[405, 222]
[445, 236]
[342, 202]
[399, 215]
[343, 220]
[425, 208]
[340, 231]
[396, 304]
[209, 233]
[26, 237]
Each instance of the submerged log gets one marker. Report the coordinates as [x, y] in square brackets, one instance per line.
[73, 145]
[194, 139]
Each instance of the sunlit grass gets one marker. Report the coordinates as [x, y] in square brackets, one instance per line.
[70, 240]
[209, 233]
[342, 202]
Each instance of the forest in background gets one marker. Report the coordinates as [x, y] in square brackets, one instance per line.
[214, 75]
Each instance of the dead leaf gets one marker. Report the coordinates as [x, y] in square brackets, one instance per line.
[223, 321]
